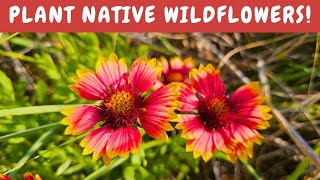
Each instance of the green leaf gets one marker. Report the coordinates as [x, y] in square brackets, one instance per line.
[300, 169]
[45, 62]
[6, 90]
[69, 44]
[17, 56]
[40, 141]
[128, 173]
[42, 92]
[34, 110]
[90, 39]
[74, 169]
[105, 169]
[136, 159]
[63, 167]
[167, 45]
[22, 42]
[28, 131]
[17, 140]
[8, 38]
[143, 50]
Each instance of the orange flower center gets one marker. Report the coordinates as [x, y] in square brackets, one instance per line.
[214, 112]
[175, 77]
[121, 107]
[217, 107]
[121, 102]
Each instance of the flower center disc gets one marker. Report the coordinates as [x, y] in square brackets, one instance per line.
[121, 102]
[175, 77]
[121, 107]
[214, 112]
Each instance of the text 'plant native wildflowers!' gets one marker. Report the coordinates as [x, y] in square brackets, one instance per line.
[225, 123]
[125, 104]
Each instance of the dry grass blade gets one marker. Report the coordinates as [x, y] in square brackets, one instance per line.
[298, 140]
[20, 70]
[294, 135]
[301, 105]
[316, 54]
[252, 45]
[215, 167]
[220, 55]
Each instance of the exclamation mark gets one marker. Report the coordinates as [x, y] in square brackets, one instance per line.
[308, 13]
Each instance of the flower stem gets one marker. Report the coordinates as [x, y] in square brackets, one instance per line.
[40, 141]
[251, 170]
[105, 169]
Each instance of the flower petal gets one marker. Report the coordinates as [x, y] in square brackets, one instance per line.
[155, 123]
[88, 85]
[203, 146]
[189, 63]
[4, 177]
[176, 63]
[37, 177]
[223, 139]
[157, 85]
[165, 65]
[207, 82]
[80, 119]
[242, 133]
[241, 151]
[183, 66]
[96, 142]
[122, 141]
[254, 118]
[248, 95]
[144, 74]
[188, 100]
[246, 102]
[164, 96]
[29, 176]
[111, 70]
[191, 126]
[160, 106]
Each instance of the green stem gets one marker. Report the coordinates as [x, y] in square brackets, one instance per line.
[9, 37]
[167, 44]
[40, 141]
[28, 131]
[251, 169]
[63, 144]
[17, 56]
[34, 110]
[105, 169]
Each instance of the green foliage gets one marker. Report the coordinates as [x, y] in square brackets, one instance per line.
[33, 141]
[7, 91]
[31, 138]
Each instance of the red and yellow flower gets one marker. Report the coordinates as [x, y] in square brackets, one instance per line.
[4, 177]
[26, 176]
[125, 104]
[30, 176]
[225, 123]
[175, 70]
